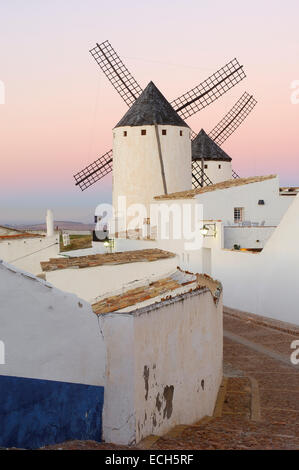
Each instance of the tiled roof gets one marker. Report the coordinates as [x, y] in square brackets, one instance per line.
[190, 193]
[105, 259]
[20, 235]
[171, 286]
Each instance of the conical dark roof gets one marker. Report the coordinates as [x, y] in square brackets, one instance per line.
[204, 147]
[151, 108]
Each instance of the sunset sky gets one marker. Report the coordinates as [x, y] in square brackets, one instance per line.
[60, 109]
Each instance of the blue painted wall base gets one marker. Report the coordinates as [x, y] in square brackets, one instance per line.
[34, 412]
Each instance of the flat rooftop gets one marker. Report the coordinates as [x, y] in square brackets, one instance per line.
[91, 261]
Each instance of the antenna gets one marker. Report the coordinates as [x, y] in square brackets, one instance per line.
[209, 90]
[116, 72]
[95, 171]
[233, 118]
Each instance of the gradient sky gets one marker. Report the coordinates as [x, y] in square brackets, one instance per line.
[60, 108]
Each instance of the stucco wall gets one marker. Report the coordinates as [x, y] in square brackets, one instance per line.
[48, 334]
[220, 204]
[27, 253]
[247, 237]
[217, 174]
[265, 283]
[51, 384]
[136, 163]
[164, 366]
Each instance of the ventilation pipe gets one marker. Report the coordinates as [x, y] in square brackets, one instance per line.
[50, 223]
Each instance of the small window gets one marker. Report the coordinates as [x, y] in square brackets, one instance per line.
[125, 133]
[238, 214]
[143, 132]
[219, 166]
[164, 132]
[206, 166]
[181, 133]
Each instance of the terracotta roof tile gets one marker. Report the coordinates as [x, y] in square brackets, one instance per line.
[20, 235]
[105, 259]
[157, 289]
[189, 194]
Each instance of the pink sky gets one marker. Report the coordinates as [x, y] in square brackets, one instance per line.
[60, 108]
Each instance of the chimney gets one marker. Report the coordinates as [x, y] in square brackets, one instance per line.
[50, 223]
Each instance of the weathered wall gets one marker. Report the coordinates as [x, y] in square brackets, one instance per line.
[27, 253]
[90, 283]
[49, 336]
[164, 366]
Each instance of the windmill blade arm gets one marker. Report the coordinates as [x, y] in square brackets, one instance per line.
[95, 171]
[199, 177]
[233, 119]
[209, 90]
[116, 72]
[235, 175]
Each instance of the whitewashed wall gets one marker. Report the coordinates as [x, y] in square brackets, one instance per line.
[48, 334]
[136, 163]
[217, 174]
[220, 204]
[264, 283]
[247, 237]
[91, 283]
[27, 253]
[164, 366]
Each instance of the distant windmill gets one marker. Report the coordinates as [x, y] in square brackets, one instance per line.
[213, 141]
[186, 105]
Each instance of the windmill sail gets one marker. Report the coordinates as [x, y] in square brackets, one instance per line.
[209, 90]
[233, 118]
[95, 171]
[128, 88]
[116, 72]
[199, 177]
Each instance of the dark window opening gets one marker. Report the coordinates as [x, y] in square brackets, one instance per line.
[219, 166]
[125, 133]
[181, 133]
[163, 131]
[143, 132]
[206, 166]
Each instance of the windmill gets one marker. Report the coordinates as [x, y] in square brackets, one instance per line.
[218, 135]
[125, 84]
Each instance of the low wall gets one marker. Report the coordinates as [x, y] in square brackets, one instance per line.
[264, 283]
[247, 237]
[51, 382]
[164, 366]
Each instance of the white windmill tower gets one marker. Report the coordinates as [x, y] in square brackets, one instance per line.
[151, 151]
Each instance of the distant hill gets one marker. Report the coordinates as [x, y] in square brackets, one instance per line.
[60, 224]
